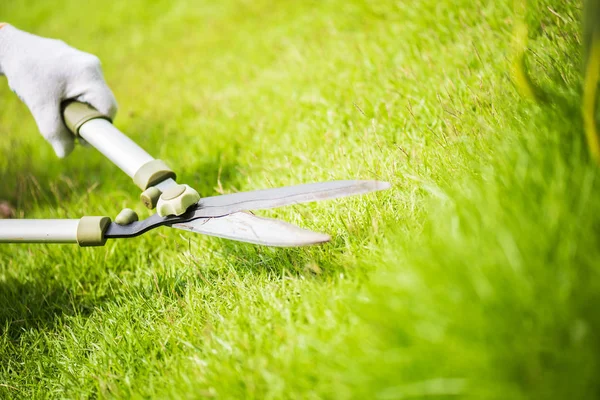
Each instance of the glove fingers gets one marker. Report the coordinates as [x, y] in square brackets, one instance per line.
[101, 99]
[50, 124]
[98, 95]
[62, 146]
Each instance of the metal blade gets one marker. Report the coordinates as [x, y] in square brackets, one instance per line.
[219, 206]
[246, 227]
[277, 197]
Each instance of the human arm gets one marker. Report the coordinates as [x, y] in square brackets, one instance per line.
[46, 72]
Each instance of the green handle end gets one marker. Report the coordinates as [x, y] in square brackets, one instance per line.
[90, 231]
[152, 173]
[76, 114]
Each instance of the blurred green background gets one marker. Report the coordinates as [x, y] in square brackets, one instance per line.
[476, 276]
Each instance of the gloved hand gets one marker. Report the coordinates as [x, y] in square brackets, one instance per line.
[44, 73]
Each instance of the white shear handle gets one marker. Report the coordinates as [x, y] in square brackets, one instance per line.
[115, 145]
[86, 231]
[85, 121]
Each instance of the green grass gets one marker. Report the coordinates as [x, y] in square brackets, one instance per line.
[476, 276]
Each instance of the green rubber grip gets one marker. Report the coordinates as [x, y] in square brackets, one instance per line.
[90, 231]
[150, 197]
[151, 173]
[76, 113]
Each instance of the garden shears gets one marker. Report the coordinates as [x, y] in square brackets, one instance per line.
[178, 206]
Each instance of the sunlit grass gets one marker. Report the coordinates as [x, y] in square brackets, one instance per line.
[474, 276]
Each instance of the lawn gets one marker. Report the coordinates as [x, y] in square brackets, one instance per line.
[475, 276]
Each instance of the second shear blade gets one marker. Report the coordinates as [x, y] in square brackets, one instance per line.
[246, 227]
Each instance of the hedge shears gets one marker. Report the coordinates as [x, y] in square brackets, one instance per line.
[177, 206]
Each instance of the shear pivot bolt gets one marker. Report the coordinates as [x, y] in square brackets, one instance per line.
[176, 200]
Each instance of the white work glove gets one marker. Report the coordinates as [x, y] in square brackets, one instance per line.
[46, 72]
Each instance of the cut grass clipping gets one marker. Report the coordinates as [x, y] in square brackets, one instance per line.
[476, 276]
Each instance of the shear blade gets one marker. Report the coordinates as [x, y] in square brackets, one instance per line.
[246, 227]
[271, 198]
